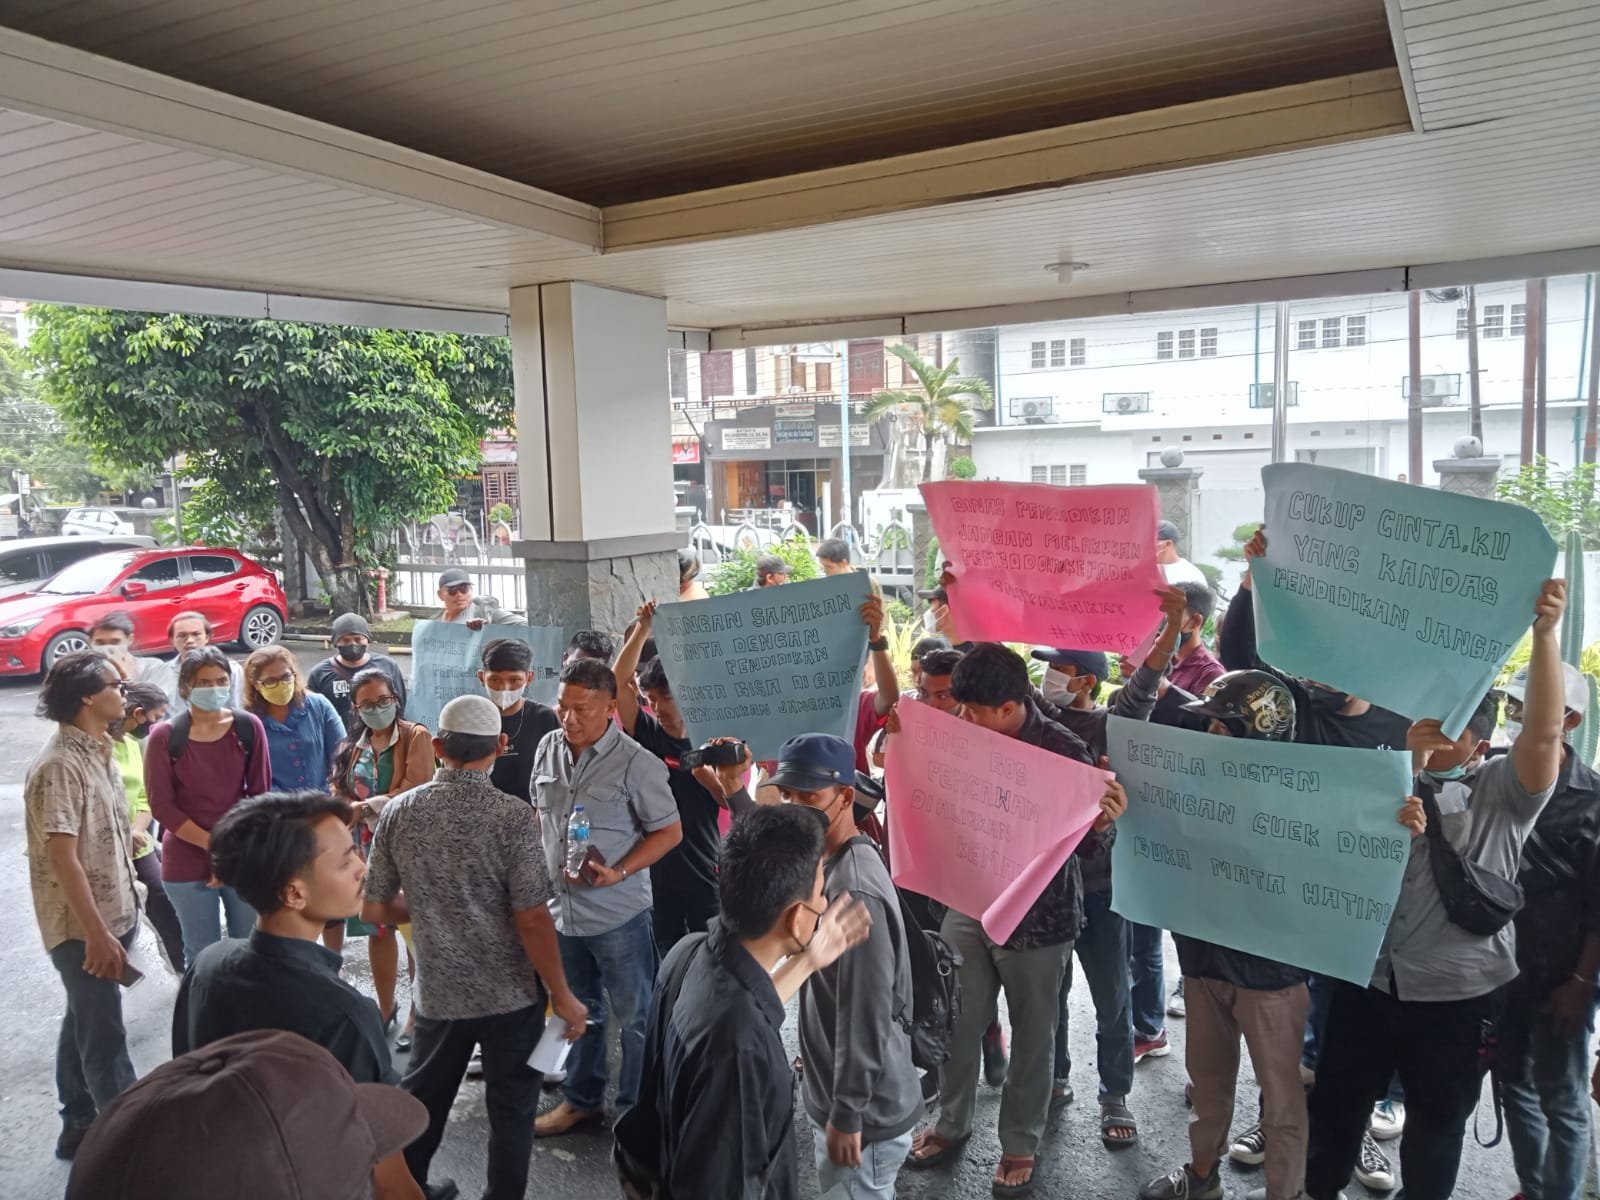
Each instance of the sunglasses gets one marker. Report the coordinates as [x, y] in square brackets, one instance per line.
[458, 589]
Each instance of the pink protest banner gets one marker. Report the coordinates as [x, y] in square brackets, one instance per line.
[1057, 566]
[980, 821]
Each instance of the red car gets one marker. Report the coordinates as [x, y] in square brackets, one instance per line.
[241, 599]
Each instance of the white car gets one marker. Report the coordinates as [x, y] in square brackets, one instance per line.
[101, 521]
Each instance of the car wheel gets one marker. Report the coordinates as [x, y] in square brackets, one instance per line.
[261, 627]
[68, 641]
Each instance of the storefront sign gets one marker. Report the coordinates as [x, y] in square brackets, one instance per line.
[828, 435]
[747, 439]
[788, 431]
[795, 410]
[685, 450]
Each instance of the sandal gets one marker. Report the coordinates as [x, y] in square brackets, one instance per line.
[938, 1149]
[1062, 1095]
[1114, 1115]
[1013, 1162]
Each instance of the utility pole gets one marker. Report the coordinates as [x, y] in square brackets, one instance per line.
[1414, 392]
[1473, 383]
[1534, 331]
[1530, 374]
[1594, 379]
[844, 440]
[1280, 383]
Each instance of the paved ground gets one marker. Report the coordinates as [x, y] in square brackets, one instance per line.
[1073, 1161]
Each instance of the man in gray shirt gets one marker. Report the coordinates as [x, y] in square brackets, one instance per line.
[460, 860]
[602, 911]
[860, 1087]
[1436, 987]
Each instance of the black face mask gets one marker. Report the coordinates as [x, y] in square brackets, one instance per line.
[352, 653]
[140, 731]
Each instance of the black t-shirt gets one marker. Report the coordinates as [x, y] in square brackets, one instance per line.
[331, 678]
[692, 863]
[524, 730]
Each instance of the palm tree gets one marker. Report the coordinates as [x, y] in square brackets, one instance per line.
[940, 408]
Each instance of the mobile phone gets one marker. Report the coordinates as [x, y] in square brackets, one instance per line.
[586, 871]
[130, 975]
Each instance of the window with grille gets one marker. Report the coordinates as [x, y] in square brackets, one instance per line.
[1208, 342]
[1058, 352]
[1355, 331]
[1185, 343]
[1164, 344]
[1037, 356]
[1078, 474]
[1461, 324]
[1307, 336]
[1054, 473]
[1494, 320]
[1519, 320]
[1330, 333]
[1078, 352]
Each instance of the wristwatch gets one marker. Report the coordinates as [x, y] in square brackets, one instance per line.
[880, 646]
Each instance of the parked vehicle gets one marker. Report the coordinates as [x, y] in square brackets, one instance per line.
[27, 563]
[240, 598]
[94, 522]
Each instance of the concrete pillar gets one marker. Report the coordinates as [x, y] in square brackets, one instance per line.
[1468, 471]
[594, 462]
[1178, 487]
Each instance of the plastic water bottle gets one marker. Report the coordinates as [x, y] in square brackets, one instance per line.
[577, 840]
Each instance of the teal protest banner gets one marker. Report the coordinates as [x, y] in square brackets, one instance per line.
[767, 664]
[446, 657]
[1405, 596]
[1288, 851]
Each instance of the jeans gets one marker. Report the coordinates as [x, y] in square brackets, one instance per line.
[1438, 1049]
[1032, 983]
[158, 906]
[1544, 1078]
[1103, 950]
[872, 1180]
[677, 912]
[196, 906]
[439, 1057]
[92, 1064]
[618, 966]
[1149, 986]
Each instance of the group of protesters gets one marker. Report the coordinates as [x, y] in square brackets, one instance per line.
[582, 870]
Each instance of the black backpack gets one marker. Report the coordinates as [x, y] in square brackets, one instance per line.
[935, 986]
[178, 736]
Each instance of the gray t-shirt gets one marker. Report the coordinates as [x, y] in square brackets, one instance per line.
[1486, 817]
[624, 792]
[467, 857]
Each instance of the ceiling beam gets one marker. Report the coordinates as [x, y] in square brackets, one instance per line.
[63, 84]
[1367, 105]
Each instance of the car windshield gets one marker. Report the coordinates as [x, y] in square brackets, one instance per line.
[89, 577]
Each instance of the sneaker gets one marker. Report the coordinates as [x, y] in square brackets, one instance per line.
[475, 1063]
[1183, 1184]
[72, 1135]
[1388, 1120]
[994, 1056]
[1372, 1167]
[1175, 1001]
[1156, 1047]
[1250, 1147]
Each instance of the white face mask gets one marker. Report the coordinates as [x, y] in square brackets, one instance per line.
[1057, 688]
[1513, 730]
[930, 621]
[503, 700]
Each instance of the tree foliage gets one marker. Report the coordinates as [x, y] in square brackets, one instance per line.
[737, 573]
[346, 432]
[939, 408]
[1565, 500]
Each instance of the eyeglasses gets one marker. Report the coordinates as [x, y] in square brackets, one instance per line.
[373, 706]
[271, 681]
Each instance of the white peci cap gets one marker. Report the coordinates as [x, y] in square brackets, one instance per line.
[476, 715]
[1573, 684]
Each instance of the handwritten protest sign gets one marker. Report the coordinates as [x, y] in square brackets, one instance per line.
[446, 658]
[1058, 566]
[980, 821]
[1435, 589]
[1289, 851]
[768, 664]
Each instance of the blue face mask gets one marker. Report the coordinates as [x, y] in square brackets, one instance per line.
[379, 718]
[209, 699]
[1448, 774]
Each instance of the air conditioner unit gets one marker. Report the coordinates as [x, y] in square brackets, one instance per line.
[1124, 403]
[1032, 408]
[1436, 390]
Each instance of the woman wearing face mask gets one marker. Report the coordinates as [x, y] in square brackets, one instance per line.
[382, 755]
[303, 730]
[196, 767]
[145, 706]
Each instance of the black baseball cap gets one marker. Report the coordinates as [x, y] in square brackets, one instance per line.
[814, 761]
[1088, 662]
[935, 593]
[454, 577]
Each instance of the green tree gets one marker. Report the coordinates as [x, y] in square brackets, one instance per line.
[939, 408]
[346, 432]
[961, 467]
[1566, 501]
[737, 573]
[1235, 551]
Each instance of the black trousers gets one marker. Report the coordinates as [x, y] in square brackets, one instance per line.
[439, 1057]
[1439, 1049]
[677, 911]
